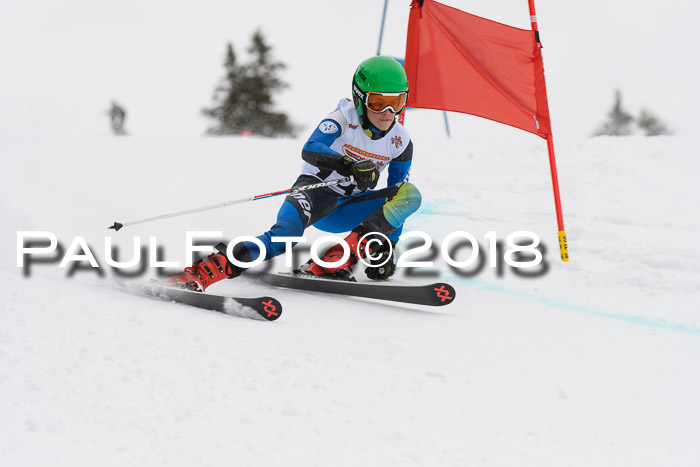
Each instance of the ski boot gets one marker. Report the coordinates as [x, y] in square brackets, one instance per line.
[204, 273]
[357, 244]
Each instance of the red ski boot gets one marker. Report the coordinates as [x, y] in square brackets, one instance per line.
[357, 244]
[203, 273]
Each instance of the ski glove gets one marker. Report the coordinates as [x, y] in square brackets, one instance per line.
[365, 173]
[384, 272]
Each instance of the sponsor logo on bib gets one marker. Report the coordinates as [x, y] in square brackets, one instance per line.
[359, 154]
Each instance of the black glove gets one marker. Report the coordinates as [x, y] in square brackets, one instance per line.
[384, 272]
[365, 173]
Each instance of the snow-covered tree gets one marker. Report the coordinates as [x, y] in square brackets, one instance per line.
[619, 121]
[244, 99]
[651, 125]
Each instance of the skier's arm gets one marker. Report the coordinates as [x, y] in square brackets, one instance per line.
[317, 150]
[400, 167]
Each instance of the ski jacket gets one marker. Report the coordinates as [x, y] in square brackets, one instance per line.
[341, 134]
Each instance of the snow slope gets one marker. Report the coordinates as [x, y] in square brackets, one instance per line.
[593, 363]
[64, 62]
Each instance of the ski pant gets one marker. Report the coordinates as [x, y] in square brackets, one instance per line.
[384, 211]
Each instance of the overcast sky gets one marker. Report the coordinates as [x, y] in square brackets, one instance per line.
[63, 62]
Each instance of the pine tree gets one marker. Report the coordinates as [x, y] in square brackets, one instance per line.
[245, 96]
[619, 120]
[228, 94]
[651, 125]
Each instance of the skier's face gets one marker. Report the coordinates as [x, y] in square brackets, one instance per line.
[382, 121]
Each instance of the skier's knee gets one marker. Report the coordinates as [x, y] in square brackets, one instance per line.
[405, 202]
[410, 196]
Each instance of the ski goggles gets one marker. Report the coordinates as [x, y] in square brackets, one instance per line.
[378, 102]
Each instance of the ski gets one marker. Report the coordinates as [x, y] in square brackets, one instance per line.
[437, 294]
[261, 308]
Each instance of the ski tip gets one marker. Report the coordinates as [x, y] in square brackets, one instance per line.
[270, 308]
[116, 226]
[443, 294]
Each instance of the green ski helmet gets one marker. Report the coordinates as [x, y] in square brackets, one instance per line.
[378, 74]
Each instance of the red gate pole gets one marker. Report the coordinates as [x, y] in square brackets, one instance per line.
[563, 246]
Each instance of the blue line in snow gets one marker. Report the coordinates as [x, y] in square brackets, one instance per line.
[639, 320]
[430, 208]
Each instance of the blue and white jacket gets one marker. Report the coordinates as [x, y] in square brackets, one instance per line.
[341, 134]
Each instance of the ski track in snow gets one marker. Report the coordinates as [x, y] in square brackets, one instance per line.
[594, 363]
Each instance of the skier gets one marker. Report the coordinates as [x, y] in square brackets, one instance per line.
[117, 116]
[360, 138]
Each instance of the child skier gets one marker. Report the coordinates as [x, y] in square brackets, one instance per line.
[360, 139]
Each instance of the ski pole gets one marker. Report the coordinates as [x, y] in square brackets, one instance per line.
[118, 225]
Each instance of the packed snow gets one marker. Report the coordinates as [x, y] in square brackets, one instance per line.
[593, 362]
